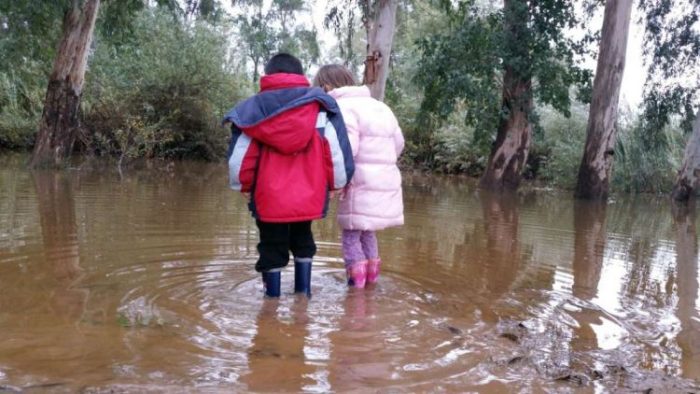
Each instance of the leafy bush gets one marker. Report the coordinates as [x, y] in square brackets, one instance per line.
[641, 166]
[162, 93]
[561, 145]
[20, 110]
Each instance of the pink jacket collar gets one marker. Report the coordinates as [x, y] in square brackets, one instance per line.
[350, 91]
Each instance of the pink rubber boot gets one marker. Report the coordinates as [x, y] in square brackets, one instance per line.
[357, 274]
[373, 270]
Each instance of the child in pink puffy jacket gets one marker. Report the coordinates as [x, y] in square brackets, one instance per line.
[373, 199]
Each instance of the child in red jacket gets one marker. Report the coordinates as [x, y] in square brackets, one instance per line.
[289, 149]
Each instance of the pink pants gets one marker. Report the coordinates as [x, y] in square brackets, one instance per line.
[359, 245]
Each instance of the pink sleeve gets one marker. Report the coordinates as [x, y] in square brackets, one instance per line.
[352, 125]
[398, 139]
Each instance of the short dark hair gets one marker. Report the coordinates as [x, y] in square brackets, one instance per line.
[284, 63]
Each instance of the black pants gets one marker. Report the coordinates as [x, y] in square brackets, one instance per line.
[277, 239]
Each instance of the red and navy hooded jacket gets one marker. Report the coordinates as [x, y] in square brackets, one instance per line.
[289, 148]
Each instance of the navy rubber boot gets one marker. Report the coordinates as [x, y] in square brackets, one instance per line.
[272, 281]
[302, 276]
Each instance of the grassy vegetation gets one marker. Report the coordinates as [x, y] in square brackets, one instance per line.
[556, 151]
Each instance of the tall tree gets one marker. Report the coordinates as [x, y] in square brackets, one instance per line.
[266, 30]
[672, 52]
[688, 175]
[596, 165]
[379, 42]
[495, 63]
[342, 17]
[59, 120]
[509, 152]
[378, 18]
[672, 48]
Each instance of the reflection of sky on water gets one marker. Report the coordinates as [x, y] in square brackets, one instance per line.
[608, 334]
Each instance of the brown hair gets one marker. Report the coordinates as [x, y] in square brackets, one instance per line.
[333, 76]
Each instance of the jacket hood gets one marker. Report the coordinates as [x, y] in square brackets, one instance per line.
[283, 115]
[350, 91]
[283, 81]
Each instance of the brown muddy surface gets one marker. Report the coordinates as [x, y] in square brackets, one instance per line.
[144, 283]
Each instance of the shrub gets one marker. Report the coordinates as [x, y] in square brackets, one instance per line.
[20, 111]
[561, 145]
[162, 93]
[643, 167]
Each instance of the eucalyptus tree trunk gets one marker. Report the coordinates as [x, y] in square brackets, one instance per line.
[596, 164]
[380, 39]
[59, 120]
[687, 179]
[510, 150]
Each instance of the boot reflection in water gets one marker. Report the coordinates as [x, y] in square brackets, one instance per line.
[357, 310]
[276, 359]
[358, 357]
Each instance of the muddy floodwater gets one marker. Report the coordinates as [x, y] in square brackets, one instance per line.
[144, 283]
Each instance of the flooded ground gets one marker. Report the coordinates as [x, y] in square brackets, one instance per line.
[145, 283]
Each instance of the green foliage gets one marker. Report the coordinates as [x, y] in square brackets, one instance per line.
[24, 29]
[157, 84]
[640, 167]
[672, 48]
[159, 81]
[453, 148]
[465, 61]
[471, 79]
[165, 96]
[561, 144]
[265, 31]
[20, 110]
[347, 18]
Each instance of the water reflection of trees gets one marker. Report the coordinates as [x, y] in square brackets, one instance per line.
[639, 228]
[687, 283]
[589, 253]
[629, 269]
[501, 218]
[59, 232]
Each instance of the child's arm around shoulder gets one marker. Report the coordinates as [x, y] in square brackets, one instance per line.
[242, 160]
[341, 165]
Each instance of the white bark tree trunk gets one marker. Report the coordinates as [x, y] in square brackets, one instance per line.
[59, 120]
[380, 40]
[596, 164]
[687, 179]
